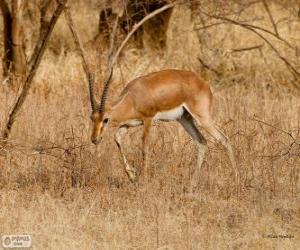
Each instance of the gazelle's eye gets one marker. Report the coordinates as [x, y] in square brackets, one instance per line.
[105, 120]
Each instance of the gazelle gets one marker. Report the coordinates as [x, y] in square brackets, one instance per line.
[165, 95]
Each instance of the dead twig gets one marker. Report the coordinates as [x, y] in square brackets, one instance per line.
[289, 133]
[247, 48]
[206, 66]
[209, 25]
[277, 128]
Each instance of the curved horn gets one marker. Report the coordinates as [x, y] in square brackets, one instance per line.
[101, 107]
[88, 72]
[91, 81]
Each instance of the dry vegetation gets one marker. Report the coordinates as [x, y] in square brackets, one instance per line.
[69, 194]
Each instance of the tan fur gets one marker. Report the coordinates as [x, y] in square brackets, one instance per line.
[145, 96]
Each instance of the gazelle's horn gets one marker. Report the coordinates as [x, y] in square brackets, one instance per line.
[91, 81]
[86, 68]
[101, 107]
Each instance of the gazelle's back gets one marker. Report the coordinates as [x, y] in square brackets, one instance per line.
[165, 90]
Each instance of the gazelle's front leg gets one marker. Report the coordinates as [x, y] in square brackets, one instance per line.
[130, 171]
[147, 127]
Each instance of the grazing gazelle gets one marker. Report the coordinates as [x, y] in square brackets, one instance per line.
[165, 95]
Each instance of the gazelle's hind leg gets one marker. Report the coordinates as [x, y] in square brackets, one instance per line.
[187, 121]
[130, 171]
[220, 137]
[204, 119]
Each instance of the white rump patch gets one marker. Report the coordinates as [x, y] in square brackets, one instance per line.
[170, 115]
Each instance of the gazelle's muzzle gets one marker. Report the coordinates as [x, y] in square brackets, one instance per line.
[96, 141]
[97, 133]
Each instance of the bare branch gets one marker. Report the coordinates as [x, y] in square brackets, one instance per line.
[209, 25]
[252, 28]
[112, 41]
[272, 126]
[247, 25]
[86, 68]
[115, 58]
[247, 48]
[21, 98]
[289, 133]
[270, 16]
[206, 66]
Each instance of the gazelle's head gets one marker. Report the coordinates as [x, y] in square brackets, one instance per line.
[99, 117]
[100, 122]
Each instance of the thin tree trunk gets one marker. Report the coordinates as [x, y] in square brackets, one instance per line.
[19, 59]
[21, 98]
[7, 32]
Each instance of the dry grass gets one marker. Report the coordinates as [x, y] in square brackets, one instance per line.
[69, 194]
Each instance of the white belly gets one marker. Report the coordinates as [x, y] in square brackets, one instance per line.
[170, 115]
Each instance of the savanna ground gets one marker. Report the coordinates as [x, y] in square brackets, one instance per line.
[69, 194]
